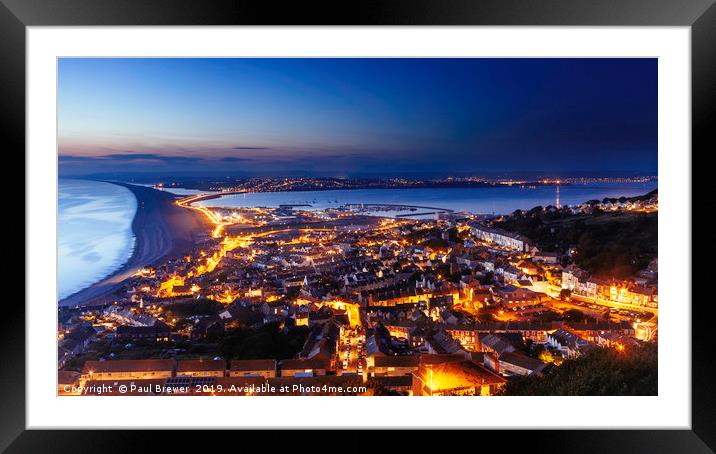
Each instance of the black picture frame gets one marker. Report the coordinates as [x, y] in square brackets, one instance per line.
[700, 15]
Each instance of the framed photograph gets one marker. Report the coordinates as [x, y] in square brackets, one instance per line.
[415, 216]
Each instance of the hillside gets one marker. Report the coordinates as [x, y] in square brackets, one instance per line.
[600, 372]
[607, 244]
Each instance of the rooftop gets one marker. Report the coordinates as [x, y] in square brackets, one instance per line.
[397, 361]
[252, 364]
[193, 365]
[129, 365]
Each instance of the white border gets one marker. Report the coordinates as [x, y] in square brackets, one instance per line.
[671, 409]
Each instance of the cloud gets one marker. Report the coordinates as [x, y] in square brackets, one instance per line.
[338, 156]
[69, 158]
[251, 148]
[234, 159]
[150, 157]
[125, 157]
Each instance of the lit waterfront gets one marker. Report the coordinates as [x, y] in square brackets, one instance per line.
[501, 200]
[359, 227]
[287, 267]
[109, 255]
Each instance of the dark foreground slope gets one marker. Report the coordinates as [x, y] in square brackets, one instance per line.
[600, 372]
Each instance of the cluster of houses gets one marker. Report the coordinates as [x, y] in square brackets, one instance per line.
[403, 358]
[637, 292]
[500, 238]
[426, 375]
[414, 290]
[643, 203]
[205, 377]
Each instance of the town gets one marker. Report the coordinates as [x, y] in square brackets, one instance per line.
[343, 301]
[257, 184]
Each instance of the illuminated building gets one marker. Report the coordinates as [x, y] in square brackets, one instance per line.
[568, 343]
[513, 363]
[467, 337]
[301, 319]
[253, 367]
[306, 367]
[395, 365]
[400, 331]
[201, 368]
[441, 343]
[128, 369]
[412, 295]
[68, 382]
[461, 378]
[546, 257]
[507, 240]
[592, 331]
[519, 297]
[496, 343]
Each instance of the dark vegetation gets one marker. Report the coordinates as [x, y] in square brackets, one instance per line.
[436, 244]
[575, 315]
[600, 372]
[267, 341]
[192, 307]
[645, 197]
[607, 244]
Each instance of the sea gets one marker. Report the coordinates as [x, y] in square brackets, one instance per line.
[492, 200]
[173, 190]
[95, 218]
[95, 238]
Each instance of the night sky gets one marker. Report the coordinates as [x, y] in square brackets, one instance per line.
[356, 117]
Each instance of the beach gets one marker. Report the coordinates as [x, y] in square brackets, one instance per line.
[161, 229]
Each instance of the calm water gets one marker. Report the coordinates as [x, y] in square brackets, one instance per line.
[95, 219]
[500, 200]
[94, 232]
[177, 191]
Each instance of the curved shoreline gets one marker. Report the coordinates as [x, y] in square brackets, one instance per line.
[482, 203]
[160, 227]
[191, 199]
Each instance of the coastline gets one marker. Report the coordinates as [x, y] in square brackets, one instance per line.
[160, 227]
[503, 200]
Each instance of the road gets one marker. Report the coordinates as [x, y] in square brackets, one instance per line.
[555, 290]
[351, 354]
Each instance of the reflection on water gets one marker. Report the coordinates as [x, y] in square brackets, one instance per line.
[173, 190]
[94, 232]
[502, 200]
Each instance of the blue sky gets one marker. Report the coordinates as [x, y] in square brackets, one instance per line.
[347, 117]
